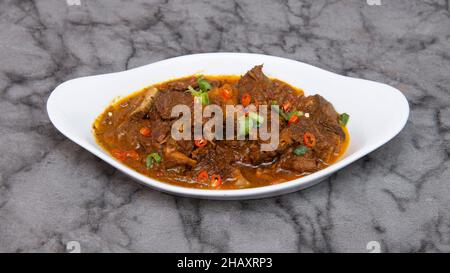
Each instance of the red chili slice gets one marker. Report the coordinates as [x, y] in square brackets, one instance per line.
[226, 92]
[293, 119]
[216, 181]
[200, 142]
[309, 139]
[203, 175]
[286, 106]
[132, 154]
[145, 131]
[118, 154]
[246, 99]
[122, 155]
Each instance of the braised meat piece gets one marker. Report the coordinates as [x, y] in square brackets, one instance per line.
[183, 84]
[215, 159]
[300, 164]
[256, 84]
[145, 103]
[166, 100]
[323, 113]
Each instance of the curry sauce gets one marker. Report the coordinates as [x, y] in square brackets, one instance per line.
[136, 130]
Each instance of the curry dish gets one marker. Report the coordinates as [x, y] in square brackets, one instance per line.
[136, 130]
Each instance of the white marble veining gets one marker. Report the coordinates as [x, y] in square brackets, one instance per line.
[52, 191]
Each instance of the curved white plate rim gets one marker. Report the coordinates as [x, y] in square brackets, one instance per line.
[58, 120]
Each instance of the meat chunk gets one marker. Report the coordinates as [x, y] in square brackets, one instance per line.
[301, 164]
[322, 112]
[257, 156]
[165, 101]
[145, 104]
[326, 141]
[323, 122]
[173, 157]
[286, 139]
[215, 159]
[255, 83]
[239, 180]
[182, 85]
[160, 130]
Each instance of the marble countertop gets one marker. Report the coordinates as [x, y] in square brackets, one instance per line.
[53, 192]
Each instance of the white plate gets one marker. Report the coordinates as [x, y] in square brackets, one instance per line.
[377, 111]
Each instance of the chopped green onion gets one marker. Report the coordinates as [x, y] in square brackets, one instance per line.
[290, 114]
[276, 108]
[286, 115]
[205, 98]
[203, 84]
[194, 92]
[157, 157]
[301, 150]
[246, 124]
[149, 162]
[257, 118]
[343, 119]
[200, 95]
[280, 111]
[153, 157]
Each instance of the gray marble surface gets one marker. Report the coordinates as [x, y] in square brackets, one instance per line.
[52, 191]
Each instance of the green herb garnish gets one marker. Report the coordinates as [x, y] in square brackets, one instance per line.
[290, 114]
[301, 150]
[343, 119]
[194, 92]
[203, 84]
[153, 157]
[246, 124]
[286, 115]
[280, 111]
[200, 95]
[257, 118]
[205, 98]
